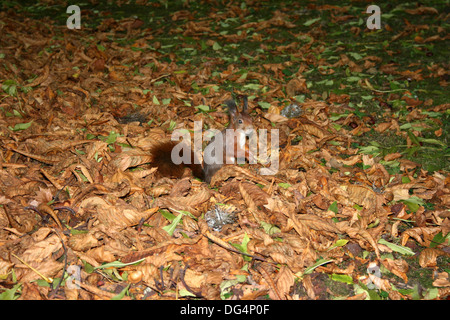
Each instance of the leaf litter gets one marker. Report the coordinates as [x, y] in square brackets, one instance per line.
[81, 109]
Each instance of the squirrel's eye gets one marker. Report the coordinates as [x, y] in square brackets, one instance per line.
[240, 121]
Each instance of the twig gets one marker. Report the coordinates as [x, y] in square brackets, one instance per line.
[182, 274]
[381, 91]
[55, 289]
[225, 245]
[72, 211]
[160, 77]
[97, 291]
[56, 196]
[43, 208]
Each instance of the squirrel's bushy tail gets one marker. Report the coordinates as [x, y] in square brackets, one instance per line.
[162, 159]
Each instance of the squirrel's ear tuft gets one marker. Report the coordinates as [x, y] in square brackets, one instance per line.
[231, 105]
[245, 100]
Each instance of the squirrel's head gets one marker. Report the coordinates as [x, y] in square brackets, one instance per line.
[240, 120]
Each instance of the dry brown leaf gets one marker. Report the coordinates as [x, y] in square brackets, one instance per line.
[129, 159]
[190, 203]
[32, 291]
[392, 156]
[47, 267]
[149, 273]
[275, 118]
[358, 232]
[229, 171]
[120, 214]
[422, 10]
[284, 281]
[161, 247]
[275, 204]
[42, 77]
[398, 267]
[253, 292]
[307, 284]
[378, 175]
[253, 195]
[195, 279]
[362, 195]
[42, 250]
[83, 241]
[423, 235]
[428, 256]
[313, 129]
[350, 161]
[382, 127]
[101, 255]
[5, 268]
[71, 293]
[296, 86]
[442, 280]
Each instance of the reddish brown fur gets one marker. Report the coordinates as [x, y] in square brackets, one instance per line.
[162, 159]
[162, 152]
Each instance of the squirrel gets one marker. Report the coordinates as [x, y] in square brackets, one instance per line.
[215, 154]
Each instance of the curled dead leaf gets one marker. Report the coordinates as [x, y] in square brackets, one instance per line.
[392, 156]
[5, 268]
[190, 203]
[296, 86]
[195, 279]
[229, 171]
[399, 267]
[119, 214]
[442, 280]
[253, 195]
[101, 255]
[41, 78]
[422, 10]
[422, 235]
[428, 257]
[83, 241]
[285, 280]
[275, 118]
[129, 159]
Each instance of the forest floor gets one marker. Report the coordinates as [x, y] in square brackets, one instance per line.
[357, 206]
